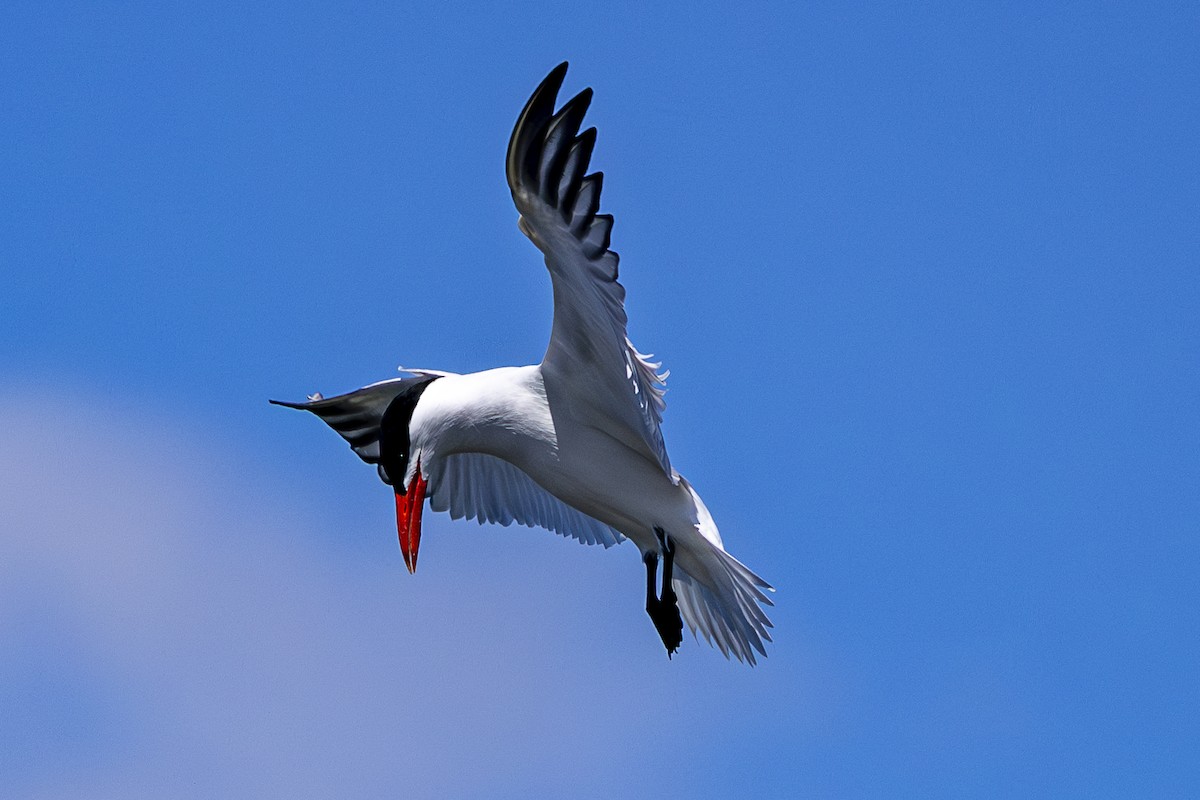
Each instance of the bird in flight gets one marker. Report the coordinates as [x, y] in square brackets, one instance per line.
[572, 444]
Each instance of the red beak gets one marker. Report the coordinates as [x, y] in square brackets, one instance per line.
[408, 519]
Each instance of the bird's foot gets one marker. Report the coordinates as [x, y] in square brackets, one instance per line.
[664, 607]
[664, 613]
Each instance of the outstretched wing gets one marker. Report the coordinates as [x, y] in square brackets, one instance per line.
[356, 415]
[488, 489]
[590, 359]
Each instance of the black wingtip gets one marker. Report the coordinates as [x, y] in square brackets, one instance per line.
[577, 106]
[547, 158]
[286, 404]
[538, 109]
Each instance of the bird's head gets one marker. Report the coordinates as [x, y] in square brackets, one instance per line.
[375, 420]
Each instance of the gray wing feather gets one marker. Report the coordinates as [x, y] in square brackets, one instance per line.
[356, 415]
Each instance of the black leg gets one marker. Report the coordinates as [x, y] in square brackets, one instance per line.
[651, 561]
[668, 550]
[664, 611]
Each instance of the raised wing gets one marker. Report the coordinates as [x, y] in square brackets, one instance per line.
[485, 488]
[590, 357]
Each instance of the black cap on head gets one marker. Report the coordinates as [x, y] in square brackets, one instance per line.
[394, 442]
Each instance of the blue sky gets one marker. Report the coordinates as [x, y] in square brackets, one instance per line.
[926, 278]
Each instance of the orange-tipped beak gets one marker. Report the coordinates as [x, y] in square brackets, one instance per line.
[408, 519]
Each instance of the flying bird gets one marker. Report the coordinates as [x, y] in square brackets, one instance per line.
[572, 444]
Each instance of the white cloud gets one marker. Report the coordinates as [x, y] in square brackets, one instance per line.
[172, 632]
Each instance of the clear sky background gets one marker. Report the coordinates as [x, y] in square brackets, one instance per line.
[927, 278]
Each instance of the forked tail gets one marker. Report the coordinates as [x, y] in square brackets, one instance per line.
[720, 597]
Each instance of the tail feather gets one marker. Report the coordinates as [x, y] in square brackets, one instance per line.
[725, 608]
[719, 596]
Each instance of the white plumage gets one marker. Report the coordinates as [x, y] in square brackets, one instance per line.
[572, 444]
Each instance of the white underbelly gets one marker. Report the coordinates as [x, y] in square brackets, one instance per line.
[599, 476]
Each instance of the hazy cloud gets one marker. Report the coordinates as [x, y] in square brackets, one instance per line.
[170, 631]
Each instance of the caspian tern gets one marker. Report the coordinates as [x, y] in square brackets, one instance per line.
[571, 444]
